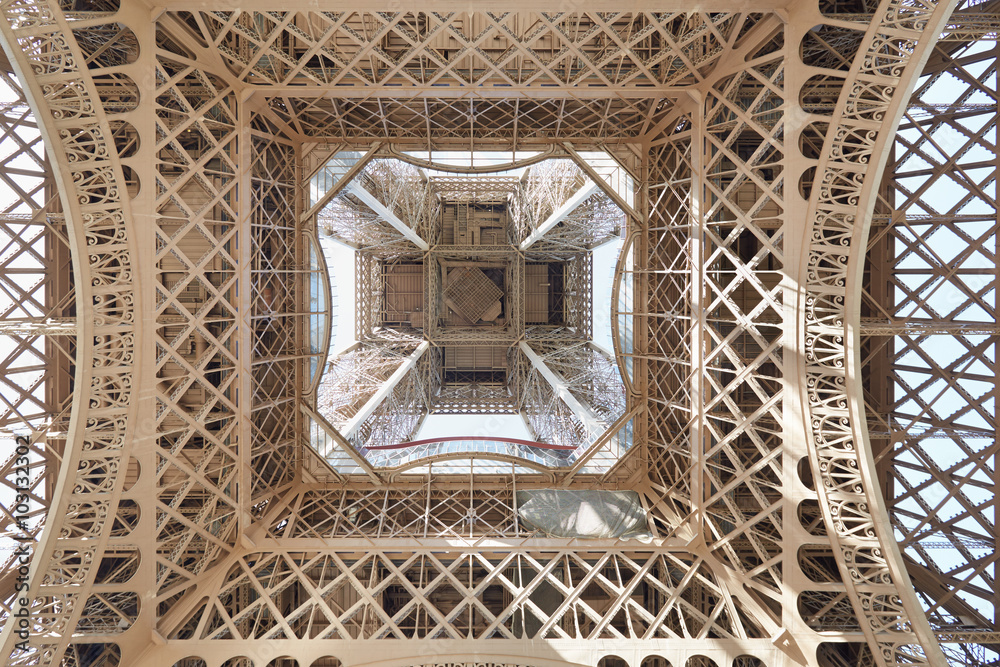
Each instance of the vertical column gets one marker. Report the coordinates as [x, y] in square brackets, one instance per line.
[245, 322]
[144, 273]
[696, 263]
[639, 228]
[797, 498]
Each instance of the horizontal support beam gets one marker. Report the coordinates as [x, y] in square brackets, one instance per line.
[971, 637]
[458, 92]
[400, 547]
[446, 6]
[48, 326]
[879, 327]
[880, 432]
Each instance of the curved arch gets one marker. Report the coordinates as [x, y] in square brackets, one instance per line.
[612, 661]
[98, 220]
[325, 313]
[550, 151]
[238, 661]
[326, 661]
[622, 348]
[192, 661]
[655, 661]
[513, 441]
[840, 214]
[439, 458]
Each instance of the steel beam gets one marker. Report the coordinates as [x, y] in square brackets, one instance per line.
[578, 197]
[352, 425]
[608, 190]
[594, 424]
[344, 181]
[41, 326]
[342, 443]
[386, 214]
[878, 327]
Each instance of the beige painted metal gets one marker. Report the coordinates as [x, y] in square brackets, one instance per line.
[185, 516]
[383, 392]
[389, 216]
[559, 214]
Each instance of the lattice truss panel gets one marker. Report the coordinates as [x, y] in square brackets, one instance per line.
[354, 377]
[423, 510]
[240, 539]
[398, 416]
[548, 417]
[713, 343]
[198, 336]
[590, 224]
[377, 595]
[567, 49]
[664, 352]
[562, 51]
[577, 299]
[739, 354]
[279, 359]
[931, 394]
[589, 375]
[384, 188]
[369, 301]
[37, 338]
[452, 121]
[80, 574]
[545, 187]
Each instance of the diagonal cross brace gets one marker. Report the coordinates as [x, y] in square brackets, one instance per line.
[580, 196]
[372, 404]
[386, 214]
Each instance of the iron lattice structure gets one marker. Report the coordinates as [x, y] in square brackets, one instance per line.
[804, 328]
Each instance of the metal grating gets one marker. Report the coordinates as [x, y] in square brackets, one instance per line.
[470, 293]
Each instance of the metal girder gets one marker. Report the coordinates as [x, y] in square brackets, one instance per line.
[215, 508]
[560, 214]
[352, 425]
[522, 6]
[877, 327]
[386, 214]
[417, 92]
[342, 442]
[344, 181]
[590, 419]
[64, 326]
[596, 178]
